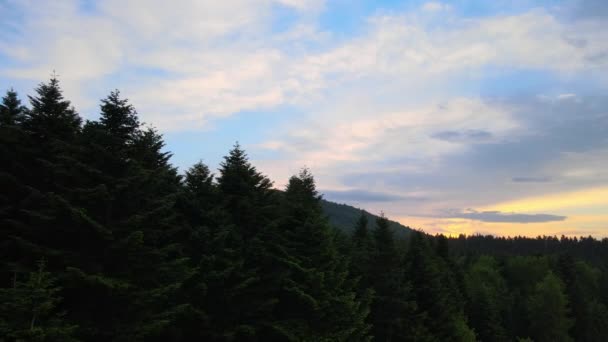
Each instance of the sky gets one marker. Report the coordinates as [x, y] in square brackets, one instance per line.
[474, 117]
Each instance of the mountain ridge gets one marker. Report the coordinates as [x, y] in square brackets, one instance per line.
[344, 216]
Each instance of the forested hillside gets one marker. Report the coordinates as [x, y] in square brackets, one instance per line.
[344, 216]
[102, 239]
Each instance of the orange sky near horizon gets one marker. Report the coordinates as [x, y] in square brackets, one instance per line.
[586, 214]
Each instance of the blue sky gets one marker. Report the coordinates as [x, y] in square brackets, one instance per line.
[450, 116]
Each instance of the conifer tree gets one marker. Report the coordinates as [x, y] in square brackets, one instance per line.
[130, 190]
[486, 294]
[199, 206]
[581, 286]
[392, 314]
[548, 311]
[320, 301]
[362, 252]
[50, 116]
[47, 219]
[29, 310]
[203, 245]
[119, 118]
[148, 230]
[433, 294]
[199, 182]
[15, 155]
[361, 232]
[246, 193]
[11, 110]
[235, 300]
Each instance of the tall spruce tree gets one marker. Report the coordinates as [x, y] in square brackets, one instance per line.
[29, 310]
[11, 110]
[237, 302]
[15, 158]
[433, 294]
[548, 311]
[50, 115]
[128, 189]
[204, 246]
[582, 289]
[319, 301]
[393, 316]
[119, 118]
[487, 292]
[47, 220]
[147, 227]
[246, 192]
[199, 206]
[362, 251]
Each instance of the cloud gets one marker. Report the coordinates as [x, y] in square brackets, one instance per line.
[358, 195]
[530, 179]
[397, 154]
[469, 135]
[434, 6]
[549, 130]
[221, 58]
[557, 146]
[181, 64]
[362, 132]
[600, 57]
[383, 95]
[303, 4]
[589, 9]
[497, 216]
[393, 106]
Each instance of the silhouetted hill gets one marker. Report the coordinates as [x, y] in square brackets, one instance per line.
[344, 216]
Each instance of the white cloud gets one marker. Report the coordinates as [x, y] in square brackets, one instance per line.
[331, 141]
[434, 6]
[214, 47]
[213, 59]
[303, 4]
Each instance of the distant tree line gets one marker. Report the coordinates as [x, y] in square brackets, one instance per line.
[102, 239]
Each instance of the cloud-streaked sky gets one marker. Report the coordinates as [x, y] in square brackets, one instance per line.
[456, 116]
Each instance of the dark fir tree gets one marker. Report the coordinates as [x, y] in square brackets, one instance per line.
[46, 220]
[487, 292]
[149, 231]
[15, 155]
[199, 182]
[319, 301]
[50, 115]
[521, 275]
[548, 311]
[362, 252]
[237, 302]
[199, 205]
[581, 285]
[246, 192]
[29, 310]
[119, 118]
[11, 110]
[392, 315]
[433, 294]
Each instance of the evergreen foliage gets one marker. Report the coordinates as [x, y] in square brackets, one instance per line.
[135, 251]
[29, 310]
[11, 110]
[548, 311]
